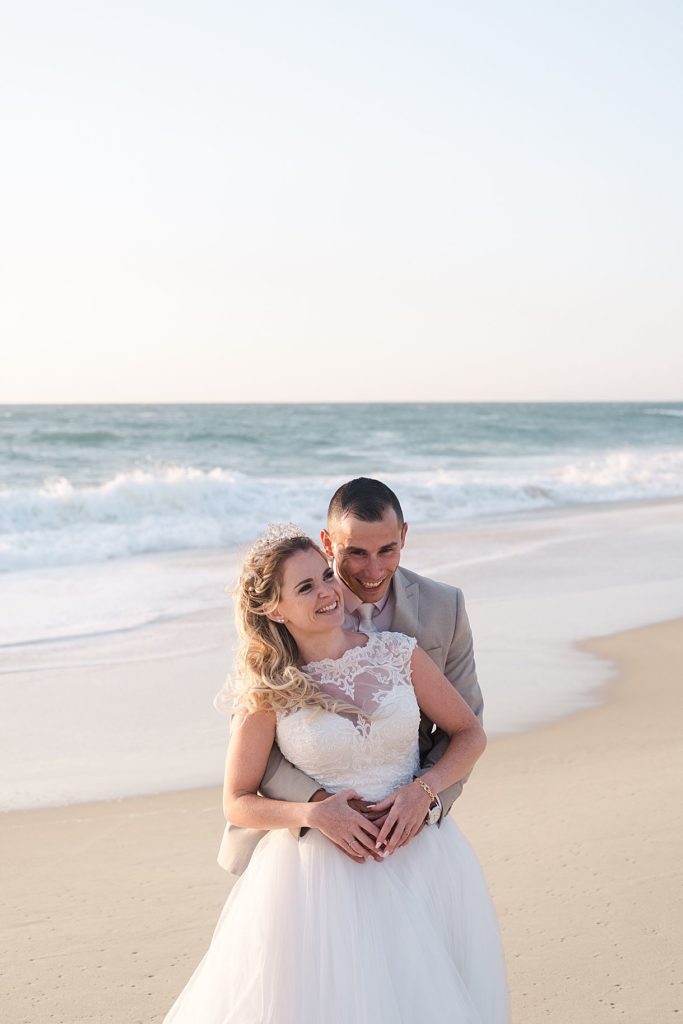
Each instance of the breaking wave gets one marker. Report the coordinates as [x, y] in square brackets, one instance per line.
[183, 507]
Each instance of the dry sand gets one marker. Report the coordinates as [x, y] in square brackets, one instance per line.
[108, 907]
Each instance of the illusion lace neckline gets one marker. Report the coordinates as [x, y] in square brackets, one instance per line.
[342, 657]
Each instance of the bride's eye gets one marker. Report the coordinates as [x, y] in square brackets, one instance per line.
[328, 574]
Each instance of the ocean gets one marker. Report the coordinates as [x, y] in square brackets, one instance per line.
[88, 484]
[121, 527]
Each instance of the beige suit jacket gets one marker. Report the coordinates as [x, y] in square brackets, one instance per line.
[434, 613]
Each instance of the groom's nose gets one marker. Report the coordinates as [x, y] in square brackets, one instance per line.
[374, 566]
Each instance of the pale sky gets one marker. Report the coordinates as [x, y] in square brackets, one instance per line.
[322, 201]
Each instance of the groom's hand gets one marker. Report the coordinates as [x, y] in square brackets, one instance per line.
[365, 808]
[353, 835]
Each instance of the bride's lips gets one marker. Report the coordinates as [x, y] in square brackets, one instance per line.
[326, 609]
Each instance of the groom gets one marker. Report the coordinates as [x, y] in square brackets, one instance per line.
[365, 534]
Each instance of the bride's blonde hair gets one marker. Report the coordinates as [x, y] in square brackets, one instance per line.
[268, 676]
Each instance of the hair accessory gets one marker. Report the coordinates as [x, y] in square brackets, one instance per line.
[275, 533]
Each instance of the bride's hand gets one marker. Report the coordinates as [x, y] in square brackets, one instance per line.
[344, 826]
[366, 808]
[406, 811]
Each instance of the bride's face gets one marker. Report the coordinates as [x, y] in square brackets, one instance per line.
[311, 598]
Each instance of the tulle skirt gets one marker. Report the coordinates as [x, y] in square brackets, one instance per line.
[309, 937]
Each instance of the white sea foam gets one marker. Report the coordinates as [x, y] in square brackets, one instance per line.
[184, 507]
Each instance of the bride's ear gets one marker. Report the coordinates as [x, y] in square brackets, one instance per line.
[275, 616]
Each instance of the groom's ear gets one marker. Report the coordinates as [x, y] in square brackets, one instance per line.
[326, 542]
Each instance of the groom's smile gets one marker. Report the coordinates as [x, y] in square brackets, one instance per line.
[366, 554]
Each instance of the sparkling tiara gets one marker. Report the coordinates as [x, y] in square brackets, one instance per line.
[275, 533]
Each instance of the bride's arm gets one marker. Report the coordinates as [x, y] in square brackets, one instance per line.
[407, 806]
[251, 741]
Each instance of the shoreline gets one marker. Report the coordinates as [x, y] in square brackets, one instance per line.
[132, 713]
[576, 824]
[602, 687]
[424, 534]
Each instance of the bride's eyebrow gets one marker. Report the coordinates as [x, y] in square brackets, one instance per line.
[309, 579]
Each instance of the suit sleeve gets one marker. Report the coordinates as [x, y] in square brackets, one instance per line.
[282, 781]
[461, 672]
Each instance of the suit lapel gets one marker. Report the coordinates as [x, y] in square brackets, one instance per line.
[405, 617]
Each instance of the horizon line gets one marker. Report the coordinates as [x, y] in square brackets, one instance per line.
[343, 401]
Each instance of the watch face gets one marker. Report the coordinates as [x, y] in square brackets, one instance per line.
[433, 815]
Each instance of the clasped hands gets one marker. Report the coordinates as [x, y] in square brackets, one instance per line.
[364, 830]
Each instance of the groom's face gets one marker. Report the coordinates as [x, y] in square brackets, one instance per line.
[366, 555]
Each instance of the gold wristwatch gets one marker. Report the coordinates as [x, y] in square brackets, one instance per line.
[434, 812]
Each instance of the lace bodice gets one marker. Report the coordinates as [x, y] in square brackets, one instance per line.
[373, 750]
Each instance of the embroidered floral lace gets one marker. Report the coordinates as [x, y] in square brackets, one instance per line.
[373, 750]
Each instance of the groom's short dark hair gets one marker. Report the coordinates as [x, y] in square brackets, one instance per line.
[365, 499]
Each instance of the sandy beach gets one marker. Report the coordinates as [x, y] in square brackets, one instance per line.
[108, 906]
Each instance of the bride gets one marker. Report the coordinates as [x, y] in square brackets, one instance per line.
[396, 927]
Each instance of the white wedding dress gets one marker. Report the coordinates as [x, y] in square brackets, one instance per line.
[307, 936]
